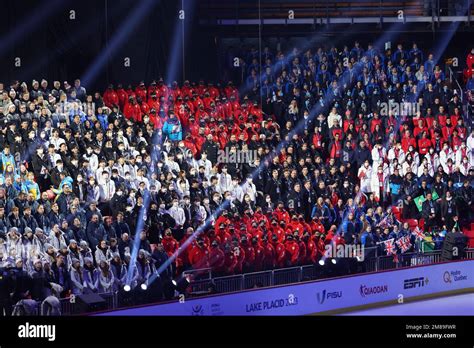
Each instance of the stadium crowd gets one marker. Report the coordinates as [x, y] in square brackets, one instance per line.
[85, 177]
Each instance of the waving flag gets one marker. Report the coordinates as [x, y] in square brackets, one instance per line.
[384, 222]
[404, 243]
[389, 246]
[418, 233]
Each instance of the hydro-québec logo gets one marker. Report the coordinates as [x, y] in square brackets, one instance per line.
[372, 290]
[453, 276]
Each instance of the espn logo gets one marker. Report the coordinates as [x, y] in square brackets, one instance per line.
[415, 282]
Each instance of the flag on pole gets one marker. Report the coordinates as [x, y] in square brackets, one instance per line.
[404, 243]
[389, 246]
[383, 223]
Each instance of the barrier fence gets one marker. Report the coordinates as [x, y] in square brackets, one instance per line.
[313, 272]
[202, 281]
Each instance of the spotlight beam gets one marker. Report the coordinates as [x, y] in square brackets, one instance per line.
[316, 109]
[142, 9]
[158, 138]
[38, 15]
[78, 35]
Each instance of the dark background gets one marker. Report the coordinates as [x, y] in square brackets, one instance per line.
[53, 46]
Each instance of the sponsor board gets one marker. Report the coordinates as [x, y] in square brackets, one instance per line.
[415, 282]
[368, 290]
[454, 276]
[328, 295]
[291, 300]
[324, 295]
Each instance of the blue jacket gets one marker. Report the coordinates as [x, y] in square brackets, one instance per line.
[6, 160]
[173, 130]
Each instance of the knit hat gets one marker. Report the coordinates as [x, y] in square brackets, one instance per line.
[87, 259]
[72, 241]
[28, 230]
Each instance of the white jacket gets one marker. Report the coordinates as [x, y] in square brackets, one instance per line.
[444, 156]
[378, 158]
[374, 182]
[365, 175]
[421, 167]
[401, 155]
[177, 213]
[413, 166]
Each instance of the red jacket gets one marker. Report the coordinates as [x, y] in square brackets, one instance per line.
[133, 111]
[280, 254]
[311, 251]
[424, 144]
[336, 149]
[199, 257]
[145, 109]
[170, 245]
[230, 262]
[122, 97]
[292, 252]
[302, 252]
[269, 258]
[406, 142]
[447, 131]
[141, 92]
[240, 255]
[259, 256]
[374, 123]
[317, 226]
[183, 258]
[282, 215]
[154, 104]
[280, 233]
[417, 130]
[470, 61]
[249, 255]
[217, 259]
[111, 98]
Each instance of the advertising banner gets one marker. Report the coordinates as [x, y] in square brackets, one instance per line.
[323, 295]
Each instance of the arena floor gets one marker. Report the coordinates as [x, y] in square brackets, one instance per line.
[451, 305]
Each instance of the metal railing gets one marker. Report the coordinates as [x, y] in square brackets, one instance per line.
[293, 275]
[205, 284]
[72, 305]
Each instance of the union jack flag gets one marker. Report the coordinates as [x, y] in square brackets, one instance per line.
[419, 233]
[384, 222]
[389, 246]
[404, 243]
